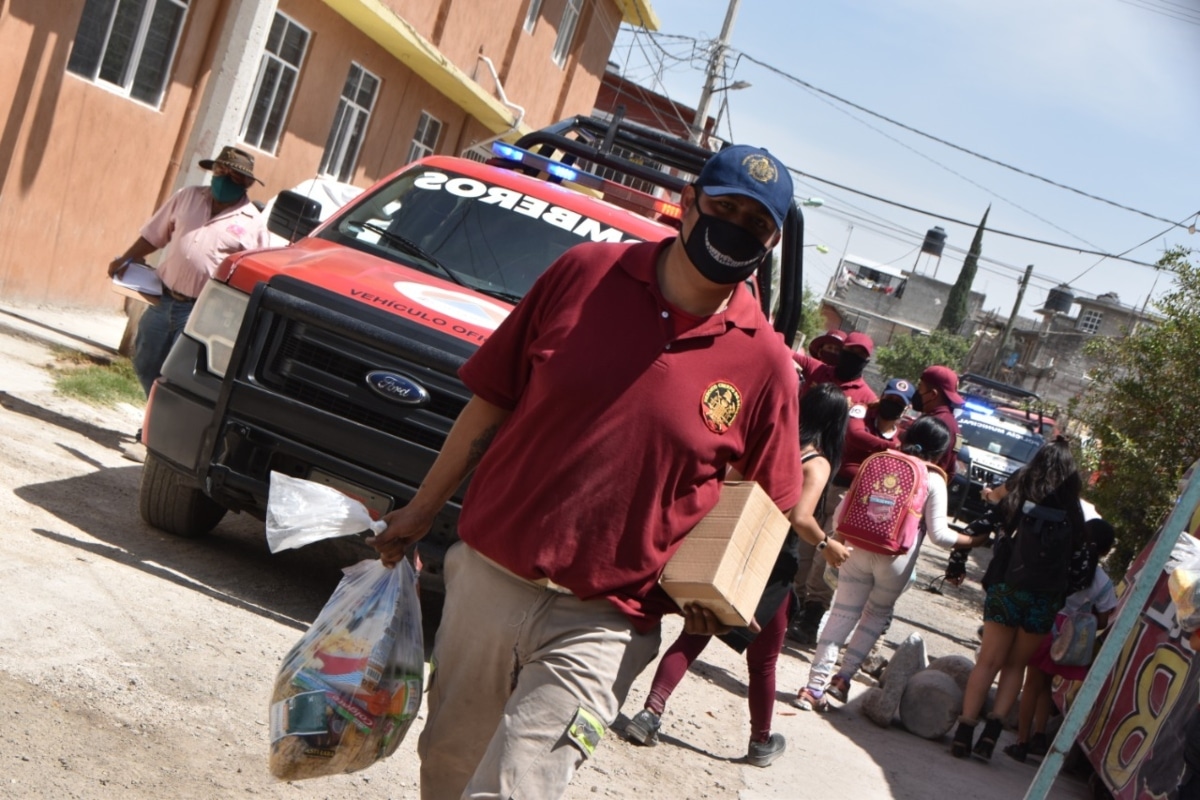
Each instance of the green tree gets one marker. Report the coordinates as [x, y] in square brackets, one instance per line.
[908, 356]
[812, 324]
[1141, 412]
[955, 312]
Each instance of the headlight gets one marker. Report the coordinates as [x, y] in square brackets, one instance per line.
[215, 322]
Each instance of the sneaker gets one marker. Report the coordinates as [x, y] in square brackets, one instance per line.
[839, 688]
[761, 754]
[643, 728]
[808, 700]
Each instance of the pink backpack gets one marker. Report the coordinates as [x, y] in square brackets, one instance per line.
[883, 507]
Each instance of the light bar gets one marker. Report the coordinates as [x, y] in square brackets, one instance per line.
[610, 189]
[979, 409]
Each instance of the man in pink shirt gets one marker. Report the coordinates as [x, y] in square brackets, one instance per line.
[199, 226]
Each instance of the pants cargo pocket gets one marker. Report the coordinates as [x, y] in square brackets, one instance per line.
[586, 730]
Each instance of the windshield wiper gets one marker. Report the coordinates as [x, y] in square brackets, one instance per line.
[499, 294]
[412, 248]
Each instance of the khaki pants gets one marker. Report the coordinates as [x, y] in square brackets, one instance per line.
[526, 679]
[809, 584]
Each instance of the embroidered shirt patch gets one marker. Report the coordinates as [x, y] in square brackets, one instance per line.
[720, 405]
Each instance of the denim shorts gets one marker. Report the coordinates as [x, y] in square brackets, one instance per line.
[1021, 608]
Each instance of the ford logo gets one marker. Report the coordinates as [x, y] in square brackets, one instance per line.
[397, 388]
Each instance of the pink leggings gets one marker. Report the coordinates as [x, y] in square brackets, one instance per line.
[761, 656]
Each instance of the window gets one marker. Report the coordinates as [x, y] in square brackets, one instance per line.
[128, 44]
[531, 16]
[425, 140]
[1089, 320]
[349, 124]
[276, 83]
[566, 31]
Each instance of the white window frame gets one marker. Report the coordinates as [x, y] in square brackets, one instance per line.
[422, 144]
[532, 14]
[1089, 320]
[566, 31]
[349, 124]
[124, 84]
[262, 140]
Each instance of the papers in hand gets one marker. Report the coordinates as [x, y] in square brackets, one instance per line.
[138, 280]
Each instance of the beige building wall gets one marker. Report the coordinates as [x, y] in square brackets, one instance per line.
[82, 167]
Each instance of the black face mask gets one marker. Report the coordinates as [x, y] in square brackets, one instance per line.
[891, 410]
[917, 403]
[723, 252]
[849, 366]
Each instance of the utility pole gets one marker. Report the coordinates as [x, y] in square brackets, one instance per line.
[1012, 319]
[716, 71]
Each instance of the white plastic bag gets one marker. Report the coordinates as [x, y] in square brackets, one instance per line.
[349, 690]
[301, 512]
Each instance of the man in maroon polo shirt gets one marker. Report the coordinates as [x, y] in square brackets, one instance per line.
[826, 347]
[607, 411]
[937, 396]
[847, 373]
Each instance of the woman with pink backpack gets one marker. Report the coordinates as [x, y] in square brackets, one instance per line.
[884, 516]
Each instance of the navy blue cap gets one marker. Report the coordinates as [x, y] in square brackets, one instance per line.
[751, 172]
[899, 387]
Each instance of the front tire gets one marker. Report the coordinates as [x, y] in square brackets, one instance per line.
[167, 502]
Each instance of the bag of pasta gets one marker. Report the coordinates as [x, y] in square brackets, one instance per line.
[349, 690]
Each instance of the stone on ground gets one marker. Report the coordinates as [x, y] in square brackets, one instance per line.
[956, 666]
[910, 658]
[931, 704]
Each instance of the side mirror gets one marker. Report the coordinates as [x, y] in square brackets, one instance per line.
[293, 216]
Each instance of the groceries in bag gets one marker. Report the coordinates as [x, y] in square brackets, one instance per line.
[349, 690]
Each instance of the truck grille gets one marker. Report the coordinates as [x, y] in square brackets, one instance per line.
[327, 372]
[985, 476]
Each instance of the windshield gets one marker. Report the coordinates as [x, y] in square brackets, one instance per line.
[490, 238]
[999, 441]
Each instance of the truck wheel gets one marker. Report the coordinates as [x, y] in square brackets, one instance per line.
[169, 504]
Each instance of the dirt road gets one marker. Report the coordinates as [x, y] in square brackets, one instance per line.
[137, 665]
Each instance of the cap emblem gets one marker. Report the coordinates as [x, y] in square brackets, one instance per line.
[760, 168]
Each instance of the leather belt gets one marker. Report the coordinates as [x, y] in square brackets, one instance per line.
[179, 297]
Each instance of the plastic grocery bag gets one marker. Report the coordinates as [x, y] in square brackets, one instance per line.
[349, 690]
[301, 512]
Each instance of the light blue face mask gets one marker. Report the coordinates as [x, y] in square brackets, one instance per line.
[224, 190]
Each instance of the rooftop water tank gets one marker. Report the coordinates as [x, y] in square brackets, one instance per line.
[1060, 299]
[935, 240]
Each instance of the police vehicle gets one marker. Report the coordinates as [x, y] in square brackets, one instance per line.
[991, 448]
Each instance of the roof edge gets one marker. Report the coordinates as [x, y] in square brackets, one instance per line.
[394, 34]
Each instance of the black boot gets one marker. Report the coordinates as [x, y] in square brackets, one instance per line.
[804, 631]
[987, 739]
[961, 746]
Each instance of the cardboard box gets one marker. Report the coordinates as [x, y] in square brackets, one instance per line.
[724, 562]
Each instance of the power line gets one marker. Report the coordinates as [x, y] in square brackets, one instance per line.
[949, 144]
[945, 218]
[1172, 10]
[1136, 246]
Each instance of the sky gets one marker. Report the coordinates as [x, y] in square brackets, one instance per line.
[1101, 96]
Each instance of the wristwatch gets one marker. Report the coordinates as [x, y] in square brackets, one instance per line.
[821, 545]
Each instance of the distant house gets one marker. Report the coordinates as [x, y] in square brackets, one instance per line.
[110, 105]
[885, 301]
[1049, 359]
